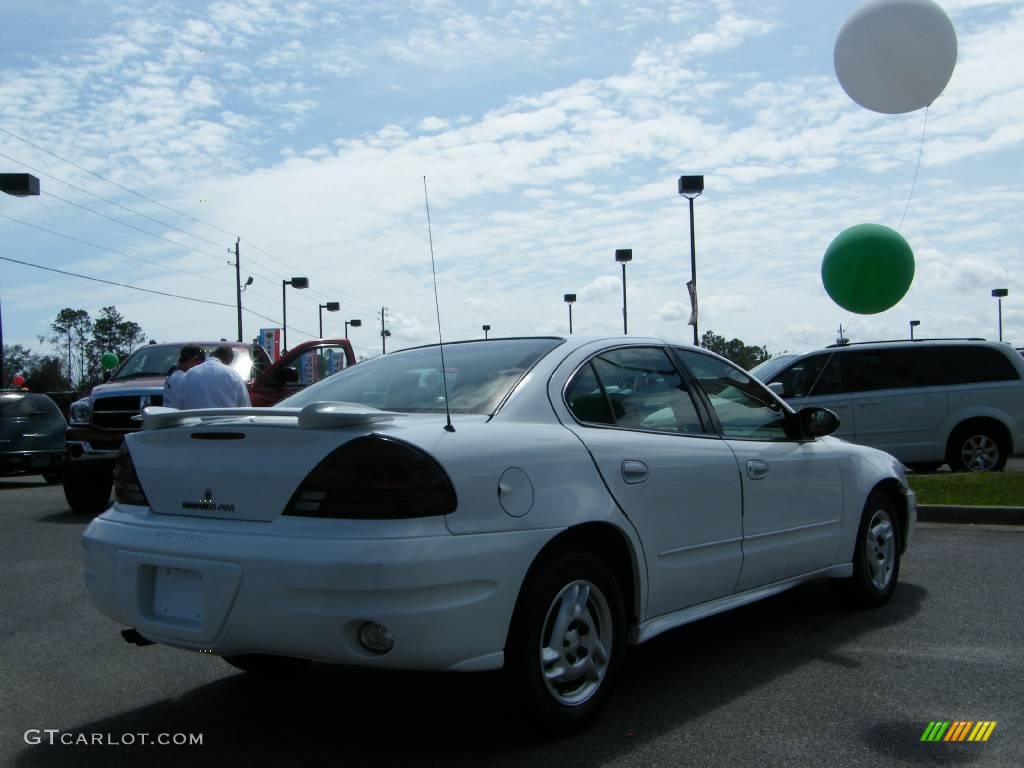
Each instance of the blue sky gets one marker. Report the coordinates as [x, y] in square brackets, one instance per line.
[551, 133]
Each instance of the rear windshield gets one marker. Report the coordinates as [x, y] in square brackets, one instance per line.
[479, 375]
[27, 405]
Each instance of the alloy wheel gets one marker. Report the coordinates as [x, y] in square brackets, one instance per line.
[880, 549]
[575, 643]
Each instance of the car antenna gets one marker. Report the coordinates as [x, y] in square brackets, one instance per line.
[437, 307]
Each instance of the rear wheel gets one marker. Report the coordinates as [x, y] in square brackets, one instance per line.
[567, 641]
[876, 558]
[977, 448]
[265, 665]
[87, 492]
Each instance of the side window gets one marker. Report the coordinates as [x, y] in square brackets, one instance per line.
[972, 365]
[744, 407]
[640, 388]
[586, 399]
[868, 370]
[815, 375]
[319, 363]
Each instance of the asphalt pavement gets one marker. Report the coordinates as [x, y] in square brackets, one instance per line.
[792, 681]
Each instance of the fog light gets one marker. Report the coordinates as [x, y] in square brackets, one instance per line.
[376, 637]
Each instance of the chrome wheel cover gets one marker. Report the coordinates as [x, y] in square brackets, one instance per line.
[979, 453]
[575, 643]
[880, 549]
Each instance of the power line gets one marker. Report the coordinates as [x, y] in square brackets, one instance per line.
[110, 202]
[168, 208]
[137, 229]
[146, 290]
[111, 250]
[114, 183]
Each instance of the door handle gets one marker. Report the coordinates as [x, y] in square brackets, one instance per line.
[634, 472]
[757, 470]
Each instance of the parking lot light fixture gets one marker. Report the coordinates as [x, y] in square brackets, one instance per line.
[624, 255]
[18, 185]
[691, 187]
[1000, 294]
[570, 299]
[295, 282]
[330, 306]
[913, 325]
[353, 323]
[487, 330]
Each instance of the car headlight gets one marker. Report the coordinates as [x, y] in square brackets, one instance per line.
[80, 412]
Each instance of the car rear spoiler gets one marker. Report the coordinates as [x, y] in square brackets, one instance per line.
[313, 416]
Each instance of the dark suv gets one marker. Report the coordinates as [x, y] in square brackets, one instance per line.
[98, 423]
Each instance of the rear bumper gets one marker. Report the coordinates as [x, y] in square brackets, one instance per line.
[30, 462]
[284, 588]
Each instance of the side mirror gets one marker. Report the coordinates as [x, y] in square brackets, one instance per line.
[287, 375]
[817, 422]
[778, 388]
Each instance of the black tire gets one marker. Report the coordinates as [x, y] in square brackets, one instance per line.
[266, 665]
[593, 641]
[976, 448]
[53, 476]
[876, 557]
[87, 493]
[924, 466]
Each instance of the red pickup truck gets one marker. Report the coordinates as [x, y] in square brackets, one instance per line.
[98, 423]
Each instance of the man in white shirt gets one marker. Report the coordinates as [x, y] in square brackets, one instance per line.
[189, 357]
[214, 384]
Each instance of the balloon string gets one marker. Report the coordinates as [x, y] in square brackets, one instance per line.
[917, 169]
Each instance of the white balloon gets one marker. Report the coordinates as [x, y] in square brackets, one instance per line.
[895, 56]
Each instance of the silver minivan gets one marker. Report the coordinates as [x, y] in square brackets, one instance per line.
[927, 402]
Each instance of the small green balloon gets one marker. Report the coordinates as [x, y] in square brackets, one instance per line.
[109, 361]
[868, 268]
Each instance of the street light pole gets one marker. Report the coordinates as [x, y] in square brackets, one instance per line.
[624, 255]
[238, 288]
[17, 185]
[1000, 294]
[486, 329]
[353, 323]
[330, 306]
[913, 325]
[691, 188]
[295, 282]
[570, 299]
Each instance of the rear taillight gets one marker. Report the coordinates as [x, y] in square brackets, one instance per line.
[375, 478]
[127, 488]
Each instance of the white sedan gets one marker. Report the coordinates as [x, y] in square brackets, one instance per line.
[585, 495]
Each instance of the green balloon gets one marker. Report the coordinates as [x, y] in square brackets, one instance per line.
[108, 361]
[868, 268]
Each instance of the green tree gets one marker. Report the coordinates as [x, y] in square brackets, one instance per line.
[17, 359]
[743, 355]
[112, 333]
[72, 330]
[45, 375]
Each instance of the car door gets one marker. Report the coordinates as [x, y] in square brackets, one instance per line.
[678, 484]
[896, 408]
[792, 487]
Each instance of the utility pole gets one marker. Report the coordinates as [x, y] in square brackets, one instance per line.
[238, 288]
[383, 332]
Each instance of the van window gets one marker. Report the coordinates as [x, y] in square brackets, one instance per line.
[971, 365]
[815, 375]
[867, 370]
